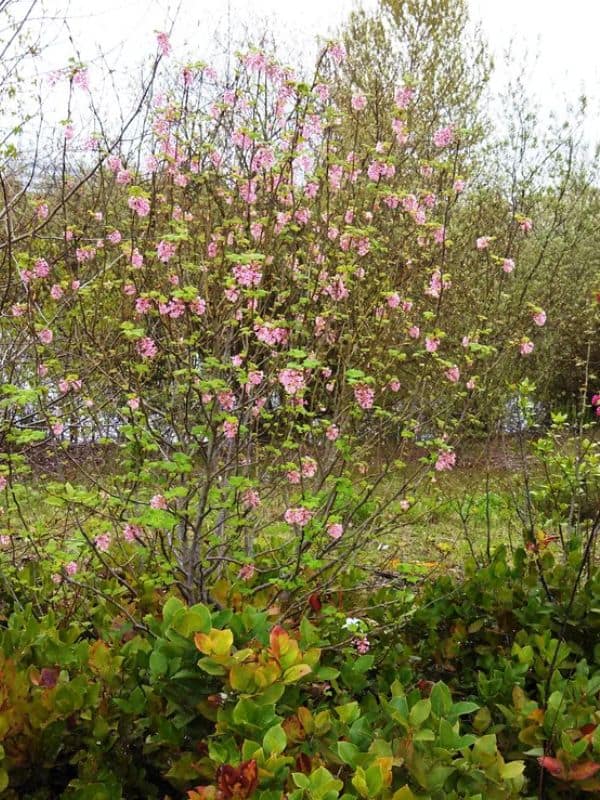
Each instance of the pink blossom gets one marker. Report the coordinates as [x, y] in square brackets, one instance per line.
[364, 395]
[526, 225]
[143, 305]
[56, 292]
[443, 137]
[337, 289]
[335, 530]
[453, 374]
[446, 460]
[114, 163]
[251, 498]
[124, 177]
[83, 254]
[292, 380]
[526, 347]
[140, 205]
[132, 533]
[403, 95]
[255, 377]
[309, 467]
[41, 211]
[71, 567]
[247, 275]
[147, 348]
[137, 259]
[394, 385]
[159, 501]
[332, 432]
[459, 185]
[362, 645]
[45, 336]
[439, 235]
[414, 332]
[41, 268]
[226, 400]
[483, 242]
[134, 403]
[399, 129]
[198, 306]
[80, 78]
[230, 428]
[298, 516]
[3, 482]
[508, 265]
[539, 318]
[164, 45]
[165, 251]
[470, 384]
[404, 505]
[431, 344]
[359, 102]
[256, 229]
[246, 572]
[57, 428]
[102, 542]
[337, 52]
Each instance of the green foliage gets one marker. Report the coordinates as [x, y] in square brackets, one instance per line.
[483, 678]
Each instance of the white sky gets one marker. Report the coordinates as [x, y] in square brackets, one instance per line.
[563, 34]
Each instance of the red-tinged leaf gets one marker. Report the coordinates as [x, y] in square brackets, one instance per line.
[303, 763]
[588, 729]
[49, 677]
[583, 771]
[552, 765]
[277, 637]
[315, 602]
[237, 783]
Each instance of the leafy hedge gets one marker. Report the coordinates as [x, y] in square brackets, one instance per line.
[468, 691]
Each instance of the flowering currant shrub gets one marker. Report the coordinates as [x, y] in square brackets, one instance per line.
[244, 320]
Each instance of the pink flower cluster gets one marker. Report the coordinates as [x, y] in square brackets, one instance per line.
[292, 380]
[298, 516]
[364, 395]
[446, 460]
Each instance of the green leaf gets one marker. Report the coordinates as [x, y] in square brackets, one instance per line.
[296, 673]
[349, 712]
[464, 707]
[419, 712]
[514, 769]
[348, 752]
[275, 740]
[441, 699]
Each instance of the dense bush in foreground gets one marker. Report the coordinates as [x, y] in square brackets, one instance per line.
[460, 693]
